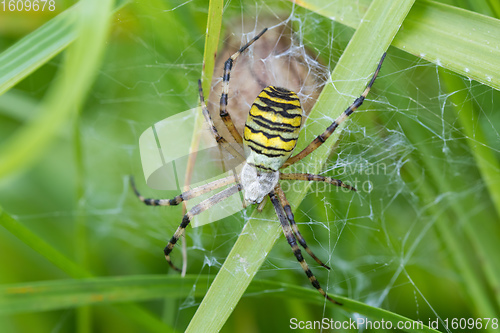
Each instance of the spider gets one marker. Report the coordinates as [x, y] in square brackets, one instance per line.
[270, 135]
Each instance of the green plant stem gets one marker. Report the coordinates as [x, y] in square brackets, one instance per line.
[42, 247]
[40, 46]
[72, 269]
[81, 62]
[465, 42]
[71, 83]
[214, 23]
[495, 7]
[83, 318]
[63, 294]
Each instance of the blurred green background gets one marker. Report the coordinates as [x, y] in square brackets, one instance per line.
[421, 242]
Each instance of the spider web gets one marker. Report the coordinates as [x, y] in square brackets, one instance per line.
[405, 150]
[380, 239]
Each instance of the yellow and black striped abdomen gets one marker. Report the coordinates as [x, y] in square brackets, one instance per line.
[272, 128]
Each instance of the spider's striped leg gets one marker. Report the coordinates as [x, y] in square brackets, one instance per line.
[228, 65]
[295, 228]
[195, 192]
[315, 178]
[199, 208]
[287, 230]
[320, 139]
[220, 139]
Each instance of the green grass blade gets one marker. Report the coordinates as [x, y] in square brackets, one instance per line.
[465, 42]
[473, 49]
[485, 159]
[72, 269]
[37, 48]
[495, 7]
[81, 246]
[211, 43]
[70, 86]
[18, 105]
[485, 237]
[353, 70]
[67, 91]
[34, 50]
[62, 294]
[36, 243]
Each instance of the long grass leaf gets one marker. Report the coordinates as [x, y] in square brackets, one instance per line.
[40, 46]
[72, 269]
[66, 93]
[34, 50]
[465, 42]
[62, 294]
[212, 42]
[30, 239]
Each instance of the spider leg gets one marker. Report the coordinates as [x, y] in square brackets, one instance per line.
[295, 228]
[193, 193]
[219, 138]
[228, 65]
[287, 230]
[320, 139]
[315, 178]
[199, 208]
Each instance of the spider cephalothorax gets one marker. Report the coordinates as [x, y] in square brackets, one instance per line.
[257, 183]
[270, 136]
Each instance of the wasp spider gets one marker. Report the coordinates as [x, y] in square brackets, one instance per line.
[270, 135]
